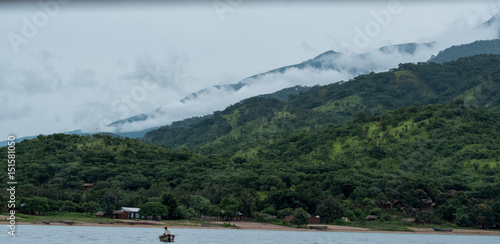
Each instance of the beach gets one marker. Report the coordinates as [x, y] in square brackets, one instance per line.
[259, 226]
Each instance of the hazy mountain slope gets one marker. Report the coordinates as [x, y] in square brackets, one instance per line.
[137, 118]
[493, 22]
[328, 67]
[467, 50]
[329, 60]
[407, 48]
[474, 79]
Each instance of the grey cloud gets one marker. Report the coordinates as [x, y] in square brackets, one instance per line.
[37, 77]
[83, 78]
[14, 111]
[168, 73]
[307, 47]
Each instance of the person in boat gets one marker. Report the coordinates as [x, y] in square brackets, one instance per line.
[167, 231]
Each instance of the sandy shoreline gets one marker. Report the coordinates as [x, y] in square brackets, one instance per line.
[263, 226]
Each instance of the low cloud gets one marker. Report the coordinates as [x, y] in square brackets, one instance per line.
[34, 77]
[375, 61]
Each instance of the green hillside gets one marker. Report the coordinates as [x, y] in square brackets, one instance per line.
[474, 79]
[419, 141]
[404, 158]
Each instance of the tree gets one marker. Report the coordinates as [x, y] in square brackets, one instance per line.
[90, 207]
[495, 206]
[54, 205]
[247, 203]
[285, 212]
[330, 209]
[287, 199]
[362, 117]
[300, 217]
[154, 209]
[199, 204]
[34, 205]
[3, 200]
[484, 216]
[69, 206]
[447, 210]
[230, 206]
[168, 199]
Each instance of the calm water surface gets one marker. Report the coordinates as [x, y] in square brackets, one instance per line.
[31, 234]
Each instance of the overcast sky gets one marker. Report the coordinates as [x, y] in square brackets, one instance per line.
[67, 65]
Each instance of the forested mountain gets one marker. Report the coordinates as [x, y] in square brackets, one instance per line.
[474, 79]
[423, 137]
[408, 158]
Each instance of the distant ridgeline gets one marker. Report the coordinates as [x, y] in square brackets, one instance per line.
[418, 142]
[467, 50]
[329, 60]
[473, 79]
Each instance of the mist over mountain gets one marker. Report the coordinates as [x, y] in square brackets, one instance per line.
[345, 64]
[328, 63]
[174, 102]
[348, 65]
[493, 22]
[326, 68]
[471, 80]
[280, 95]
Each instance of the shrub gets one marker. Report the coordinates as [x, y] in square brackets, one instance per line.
[90, 207]
[300, 217]
[339, 222]
[228, 225]
[69, 206]
[35, 204]
[153, 209]
[424, 217]
[269, 210]
[285, 212]
[386, 217]
[376, 211]
[185, 213]
[360, 215]
[350, 214]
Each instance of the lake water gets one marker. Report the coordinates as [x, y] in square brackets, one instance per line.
[39, 234]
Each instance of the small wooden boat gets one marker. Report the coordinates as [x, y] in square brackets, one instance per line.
[441, 229]
[167, 238]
